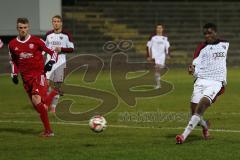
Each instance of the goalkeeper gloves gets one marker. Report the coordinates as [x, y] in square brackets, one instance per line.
[48, 66]
[15, 79]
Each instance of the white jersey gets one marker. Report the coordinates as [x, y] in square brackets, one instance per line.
[158, 46]
[62, 40]
[210, 61]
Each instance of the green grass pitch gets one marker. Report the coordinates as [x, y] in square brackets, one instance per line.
[125, 138]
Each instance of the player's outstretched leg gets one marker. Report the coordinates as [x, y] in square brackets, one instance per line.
[195, 119]
[191, 125]
[204, 124]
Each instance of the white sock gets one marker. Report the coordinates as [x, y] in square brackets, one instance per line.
[49, 90]
[157, 79]
[191, 125]
[55, 101]
[203, 123]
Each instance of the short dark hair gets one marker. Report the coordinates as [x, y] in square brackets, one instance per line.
[210, 25]
[159, 24]
[58, 17]
[22, 20]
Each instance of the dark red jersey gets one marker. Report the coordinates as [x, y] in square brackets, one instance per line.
[26, 57]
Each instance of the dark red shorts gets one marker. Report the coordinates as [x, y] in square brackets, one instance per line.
[37, 86]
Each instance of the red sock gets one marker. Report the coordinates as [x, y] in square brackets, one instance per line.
[50, 97]
[44, 116]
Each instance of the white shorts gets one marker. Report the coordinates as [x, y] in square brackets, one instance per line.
[205, 88]
[56, 74]
[160, 60]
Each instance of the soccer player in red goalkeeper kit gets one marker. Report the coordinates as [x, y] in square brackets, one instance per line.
[26, 58]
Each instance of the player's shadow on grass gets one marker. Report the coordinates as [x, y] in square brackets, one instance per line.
[19, 130]
[89, 145]
[190, 139]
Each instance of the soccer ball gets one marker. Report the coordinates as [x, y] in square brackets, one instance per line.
[97, 123]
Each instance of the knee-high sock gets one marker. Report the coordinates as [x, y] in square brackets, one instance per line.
[191, 125]
[157, 78]
[203, 123]
[43, 115]
[55, 101]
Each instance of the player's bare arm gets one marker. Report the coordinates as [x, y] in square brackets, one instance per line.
[149, 56]
[191, 69]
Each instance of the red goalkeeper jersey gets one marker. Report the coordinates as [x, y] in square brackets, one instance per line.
[26, 57]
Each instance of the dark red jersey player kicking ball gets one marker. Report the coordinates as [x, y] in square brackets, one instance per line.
[27, 60]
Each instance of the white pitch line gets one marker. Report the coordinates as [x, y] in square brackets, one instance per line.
[19, 113]
[33, 113]
[119, 126]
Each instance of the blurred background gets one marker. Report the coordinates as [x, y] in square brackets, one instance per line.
[94, 22]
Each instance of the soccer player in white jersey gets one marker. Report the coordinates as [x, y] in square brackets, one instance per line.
[158, 49]
[60, 41]
[209, 69]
